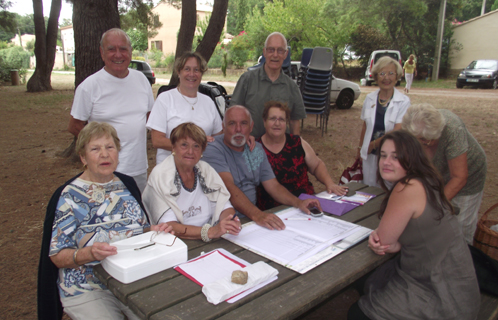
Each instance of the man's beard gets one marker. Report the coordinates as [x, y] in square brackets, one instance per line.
[235, 143]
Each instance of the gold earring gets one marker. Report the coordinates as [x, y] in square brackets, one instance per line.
[173, 153]
[202, 155]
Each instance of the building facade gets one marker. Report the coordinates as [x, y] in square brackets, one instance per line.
[170, 17]
[478, 38]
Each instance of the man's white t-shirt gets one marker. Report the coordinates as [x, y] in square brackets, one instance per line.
[124, 104]
[196, 208]
[171, 110]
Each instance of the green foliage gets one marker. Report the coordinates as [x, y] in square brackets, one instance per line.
[30, 46]
[140, 58]
[138, 39]
[238, 13]
[365, 39]
[137, 15]
[216, 60]
[13, 58]
[200, 30]
[469, 9]
[240, 50]
[224, 64]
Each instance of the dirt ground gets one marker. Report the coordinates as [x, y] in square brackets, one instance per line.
[33, 132]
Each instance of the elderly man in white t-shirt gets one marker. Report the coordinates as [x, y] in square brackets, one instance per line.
[121, 97]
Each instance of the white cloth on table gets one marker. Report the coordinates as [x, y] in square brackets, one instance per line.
[224, 288]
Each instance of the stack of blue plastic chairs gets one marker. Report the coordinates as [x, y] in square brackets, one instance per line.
[314, 82]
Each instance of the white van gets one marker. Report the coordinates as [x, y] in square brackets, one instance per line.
[376, 55]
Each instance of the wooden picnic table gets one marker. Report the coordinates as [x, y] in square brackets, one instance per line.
[170, 295]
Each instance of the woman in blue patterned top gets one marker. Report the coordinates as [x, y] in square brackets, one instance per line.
[94, 209]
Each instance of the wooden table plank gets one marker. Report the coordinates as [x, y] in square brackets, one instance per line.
[306, 291]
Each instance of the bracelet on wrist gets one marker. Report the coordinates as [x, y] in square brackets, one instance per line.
[75, 254]
[204, 232]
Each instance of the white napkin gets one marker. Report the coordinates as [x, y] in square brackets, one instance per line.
[224, 288]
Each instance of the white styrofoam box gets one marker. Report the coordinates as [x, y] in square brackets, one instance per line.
[130, 265]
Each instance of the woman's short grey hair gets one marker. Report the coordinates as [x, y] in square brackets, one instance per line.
[95, 130]
[384, 62]
[424, 121]
[116, 31]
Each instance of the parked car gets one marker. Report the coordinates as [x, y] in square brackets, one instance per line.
[479, 73]
[376, 55]
[145, 68]
[343, 93]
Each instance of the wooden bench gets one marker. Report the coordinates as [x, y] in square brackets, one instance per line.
[489, 307]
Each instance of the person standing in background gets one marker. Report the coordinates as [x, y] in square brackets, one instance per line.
[409, 71]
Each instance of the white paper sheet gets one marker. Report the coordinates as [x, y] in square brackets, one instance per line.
[301, 241]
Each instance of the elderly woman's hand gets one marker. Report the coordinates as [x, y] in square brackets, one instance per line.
[228, 224]
[251, 142]
[101, 250]
[374, 244]
[162, 227]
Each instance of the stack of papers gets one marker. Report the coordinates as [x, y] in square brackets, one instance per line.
[359, 198]
[306, 241]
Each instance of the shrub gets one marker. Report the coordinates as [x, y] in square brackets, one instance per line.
[13, 58]
[239, 50]
[217, 57]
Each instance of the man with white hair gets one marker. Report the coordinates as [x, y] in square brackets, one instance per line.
[242, 170]
[121, 97]
[268, 82]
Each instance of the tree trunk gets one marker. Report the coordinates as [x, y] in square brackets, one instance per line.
[45, 44]
[214, 29]
[186, 33]
[91, 18]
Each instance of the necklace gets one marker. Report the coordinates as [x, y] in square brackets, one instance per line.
[384, 102]
[195, 181]
[184, 98]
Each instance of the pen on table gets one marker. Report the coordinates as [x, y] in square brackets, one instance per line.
[296, 219]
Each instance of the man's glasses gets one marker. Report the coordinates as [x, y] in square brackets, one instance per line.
[280, 51]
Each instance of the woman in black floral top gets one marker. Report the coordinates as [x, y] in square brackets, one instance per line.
[291, 158]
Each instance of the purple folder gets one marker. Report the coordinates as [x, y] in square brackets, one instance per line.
[331, 206]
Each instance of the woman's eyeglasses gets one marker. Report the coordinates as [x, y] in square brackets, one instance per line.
[389, 74]
[152, 242]
[275, 119]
